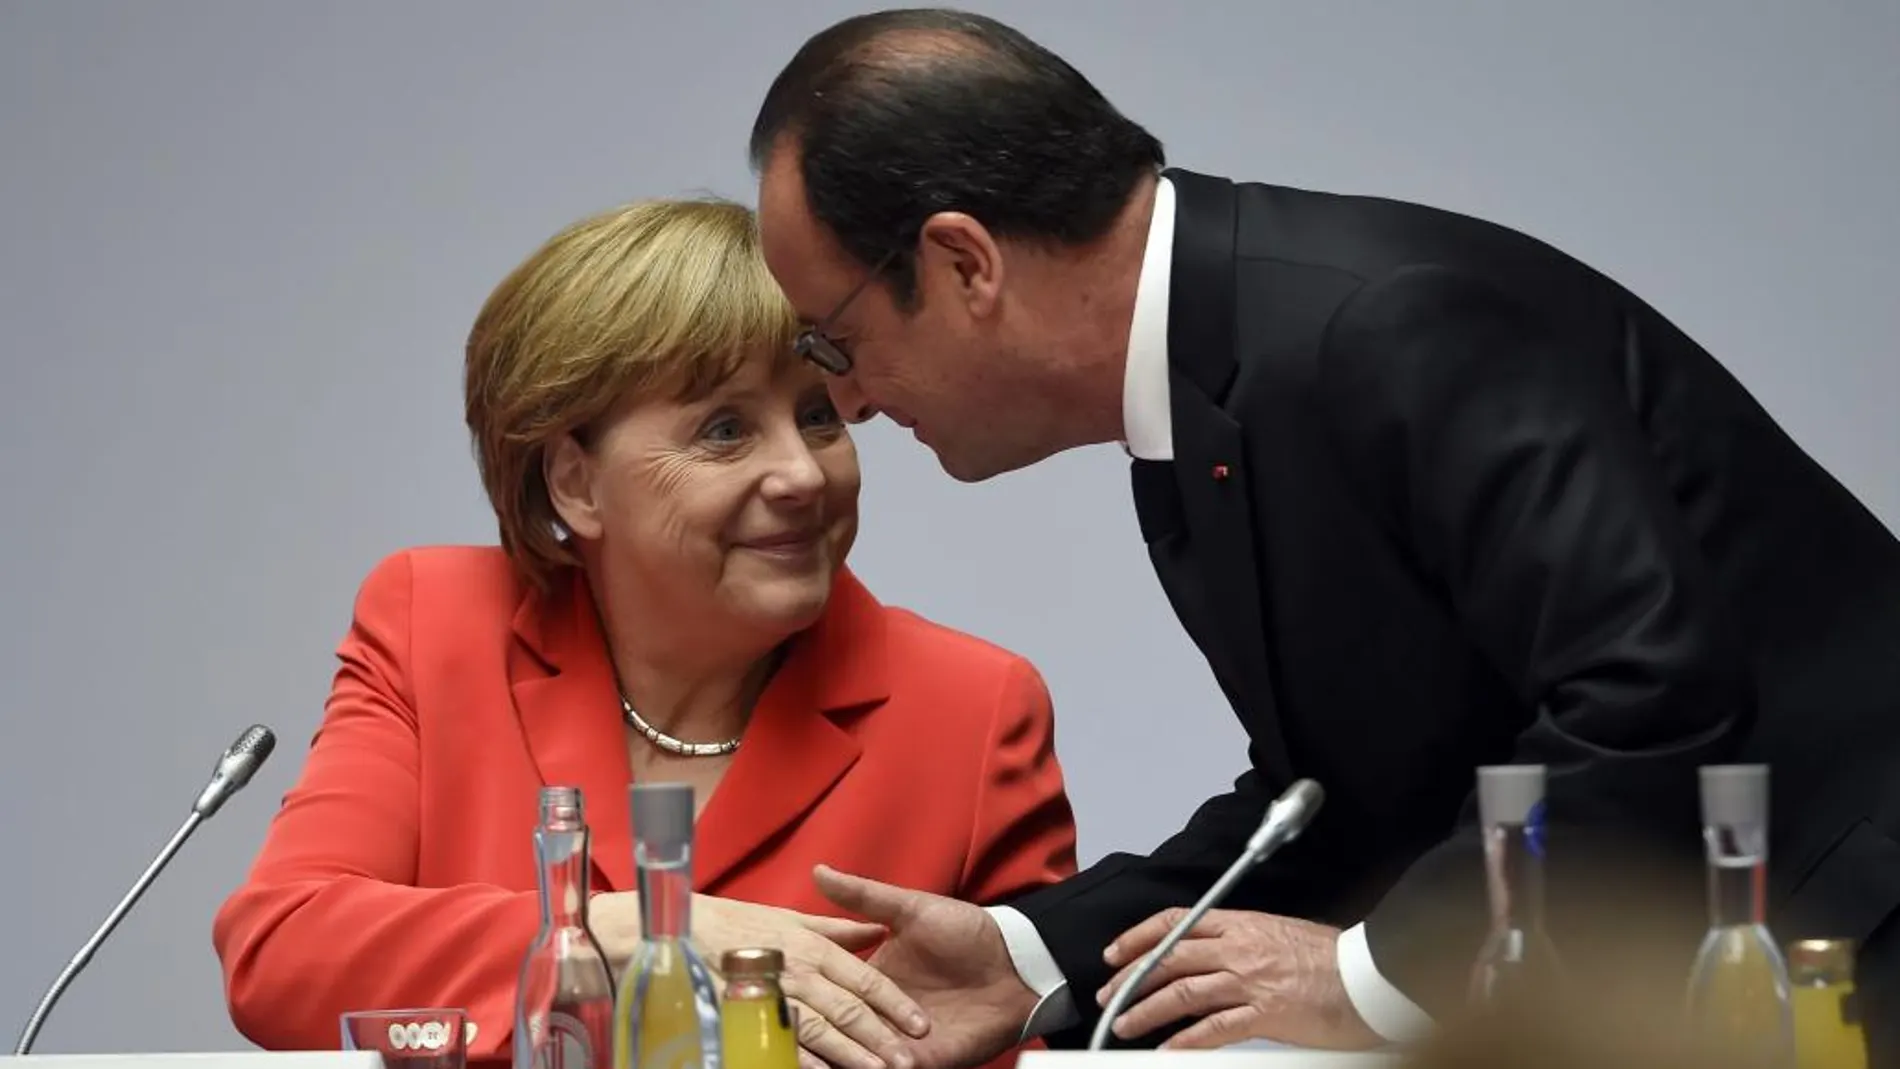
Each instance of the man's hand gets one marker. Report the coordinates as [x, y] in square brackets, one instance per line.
[951, 958]
[1245, 976]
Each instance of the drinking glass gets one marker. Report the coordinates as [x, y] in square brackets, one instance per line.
[410, 1039]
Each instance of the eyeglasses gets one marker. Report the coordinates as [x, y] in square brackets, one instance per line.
[815, 344]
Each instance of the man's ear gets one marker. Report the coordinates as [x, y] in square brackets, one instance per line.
[959, 254]
[569, 471]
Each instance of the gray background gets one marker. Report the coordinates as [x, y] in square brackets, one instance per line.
[241, 242]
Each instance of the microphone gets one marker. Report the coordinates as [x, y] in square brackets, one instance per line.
[235, 768]
[1286, 818]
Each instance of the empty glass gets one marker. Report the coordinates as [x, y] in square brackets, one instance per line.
[410, 1039]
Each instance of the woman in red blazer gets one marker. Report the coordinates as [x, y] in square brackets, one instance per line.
[676, 498]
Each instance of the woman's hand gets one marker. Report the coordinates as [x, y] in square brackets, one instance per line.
[850, 1015]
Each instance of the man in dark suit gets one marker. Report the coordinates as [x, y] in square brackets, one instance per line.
[1427, 493]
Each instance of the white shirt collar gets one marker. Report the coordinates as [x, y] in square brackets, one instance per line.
[1147, 427]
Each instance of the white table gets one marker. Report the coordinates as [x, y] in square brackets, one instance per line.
[1252, 1056]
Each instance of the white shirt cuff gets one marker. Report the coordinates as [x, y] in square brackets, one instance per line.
[1055, 1008]
[1384, 1008]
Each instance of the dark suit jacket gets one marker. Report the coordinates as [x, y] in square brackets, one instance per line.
[1443, 496]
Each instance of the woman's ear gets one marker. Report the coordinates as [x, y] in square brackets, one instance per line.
[569, 471]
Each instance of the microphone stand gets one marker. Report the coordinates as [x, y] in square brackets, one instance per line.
[235, 767]
[112, 920]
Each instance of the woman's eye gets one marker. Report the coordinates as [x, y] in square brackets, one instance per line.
[723, 429]
[821, 414]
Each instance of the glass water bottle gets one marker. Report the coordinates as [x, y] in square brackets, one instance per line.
[564, 999]
[1517, 963]
[758, 1026]
[667, 1016]
[1738, 988]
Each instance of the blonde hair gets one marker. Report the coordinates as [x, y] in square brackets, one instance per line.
[657, 297]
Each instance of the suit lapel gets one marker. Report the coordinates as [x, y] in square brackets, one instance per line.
[1210, 459]
[793, 751]
[569, 709]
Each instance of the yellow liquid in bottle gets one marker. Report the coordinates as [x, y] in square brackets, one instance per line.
[1823, 1036]
[1737, 999]
[667, 1016]
[756, 1033]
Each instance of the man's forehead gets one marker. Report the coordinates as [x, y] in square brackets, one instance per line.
[792, 235]
[808, 264]
[800, 271]
[782, 192]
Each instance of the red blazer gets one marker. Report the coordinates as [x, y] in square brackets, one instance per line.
[400, 870]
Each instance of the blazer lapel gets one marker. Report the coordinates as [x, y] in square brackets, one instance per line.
[1210, 459]
[569, 708]
[790, 756]
[793, 751]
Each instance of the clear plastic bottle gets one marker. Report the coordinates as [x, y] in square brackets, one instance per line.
[667, 1016]
[564, 999]
[1517, 964]
[1738, 987]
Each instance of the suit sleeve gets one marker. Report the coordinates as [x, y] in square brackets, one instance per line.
[1509, 465]
[1024, 832]
[1077, 918]
[330, 918]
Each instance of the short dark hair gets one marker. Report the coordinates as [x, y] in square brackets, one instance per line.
[900, 114]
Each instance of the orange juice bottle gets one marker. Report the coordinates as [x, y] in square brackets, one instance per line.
[1827, 1028]
[757, 1029]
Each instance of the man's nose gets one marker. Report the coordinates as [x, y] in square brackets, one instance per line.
[852, 405]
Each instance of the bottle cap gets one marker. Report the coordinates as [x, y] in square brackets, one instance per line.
[662, 815]
[1735, 794]
[752, 963]
[1821, 960]
[1508, 793]
[562, 806]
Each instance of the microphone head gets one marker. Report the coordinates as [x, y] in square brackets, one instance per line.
[239, 763]
[1286, 817]
[1306, 794]
[257, 739]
